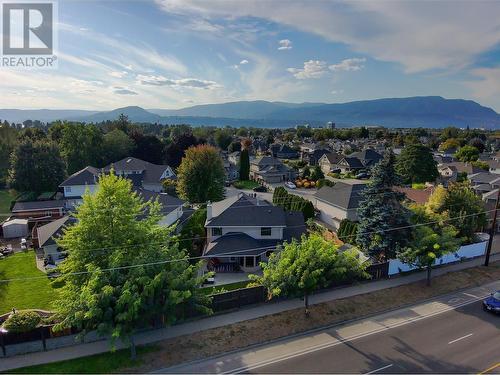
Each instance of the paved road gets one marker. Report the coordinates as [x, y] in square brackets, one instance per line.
[449, 335]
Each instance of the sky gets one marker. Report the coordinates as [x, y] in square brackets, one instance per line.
[173, 54]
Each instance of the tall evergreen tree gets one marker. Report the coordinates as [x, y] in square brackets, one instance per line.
[416, 164]
[382, 217]
[244, 165]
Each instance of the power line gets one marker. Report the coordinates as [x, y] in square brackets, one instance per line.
[231, 253]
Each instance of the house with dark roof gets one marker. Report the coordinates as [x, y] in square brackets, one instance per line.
[270, 170]
[338, 202]
[367, 157]
[143, 174]
[283, 151]
[47, 236]
[329, 162]
[243, 230]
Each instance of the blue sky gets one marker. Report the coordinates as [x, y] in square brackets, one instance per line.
[172, 54]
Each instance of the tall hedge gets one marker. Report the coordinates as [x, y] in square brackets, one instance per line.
[292, 202]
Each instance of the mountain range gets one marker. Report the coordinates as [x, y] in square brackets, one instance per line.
[424, 111]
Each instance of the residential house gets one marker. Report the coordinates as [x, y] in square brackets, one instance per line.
[420, 196]
[243, 230]
[329, 162]
[484, 182]
[270, 170]
[283, 151]
[143, 174]
[350, 164]
[172, 208]
[338, 202]
[47, 236]
[367, 157]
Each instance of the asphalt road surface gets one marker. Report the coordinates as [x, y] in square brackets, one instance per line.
[465, 340]
[451, 334]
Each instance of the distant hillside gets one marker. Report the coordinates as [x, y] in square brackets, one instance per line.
[426, 111]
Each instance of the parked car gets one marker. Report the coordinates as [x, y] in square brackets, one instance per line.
[362, 176]
[336, 170]
[260, 189]
[290, 185]
[492, 303]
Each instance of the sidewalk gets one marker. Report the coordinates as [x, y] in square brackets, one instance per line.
[148, 337]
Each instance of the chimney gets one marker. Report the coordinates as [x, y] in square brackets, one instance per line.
[209, 210]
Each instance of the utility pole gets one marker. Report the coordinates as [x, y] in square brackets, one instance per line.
[492, 231]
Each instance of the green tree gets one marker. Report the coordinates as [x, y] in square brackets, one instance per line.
[123, 270]
[317, 173]
[116, 146]
[465, 208]
[200, 177]
[467, 154]
[416, 164]
[347, 231]
[8, 141]
[449, 144]
[81, 146]
[223, 138]
[304, 266]
[192, 236]
[244, 165]
[382, 217]
[429, 244]
[306, 172]
[36, 166]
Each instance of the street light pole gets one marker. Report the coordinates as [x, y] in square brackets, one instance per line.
[492, 231]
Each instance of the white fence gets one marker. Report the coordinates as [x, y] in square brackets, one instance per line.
[464, 252]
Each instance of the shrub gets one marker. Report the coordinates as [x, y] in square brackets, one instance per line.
[22, 321]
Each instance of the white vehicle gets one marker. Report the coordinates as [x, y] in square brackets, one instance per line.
[290, 185]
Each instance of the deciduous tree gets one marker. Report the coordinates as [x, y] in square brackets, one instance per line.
[416, 164]
[200, 177]
[123, 270]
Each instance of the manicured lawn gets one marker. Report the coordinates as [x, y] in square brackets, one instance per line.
[6, 197]
[24, 294]
[225, 287]
[249, 185]
[104, 363]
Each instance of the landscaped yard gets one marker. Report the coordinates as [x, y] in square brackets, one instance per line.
[24, 294]
[248, 184]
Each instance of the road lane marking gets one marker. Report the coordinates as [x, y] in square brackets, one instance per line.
[460, 338]
[490, 369]
[470, 295]
[336, 342]
[379, 369]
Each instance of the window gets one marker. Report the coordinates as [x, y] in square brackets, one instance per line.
[216, 231]
[265, 231]
[67, 189]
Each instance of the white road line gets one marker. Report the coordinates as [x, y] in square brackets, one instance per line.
[469, 295]
[342, 340]
[460, 338]
[379, 369]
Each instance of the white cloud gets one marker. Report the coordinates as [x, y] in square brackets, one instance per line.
[420, 35]
[117, 74]
[312, 69]
[285, 44]
[243, 62]
[158, 80]
[487, 83]
[348, 65]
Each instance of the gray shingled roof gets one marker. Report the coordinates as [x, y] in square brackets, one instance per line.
[152, 172]
[342, 195]
[86, 176]
[37, 205]
[250, 216]
[168, 202]
[239, 244]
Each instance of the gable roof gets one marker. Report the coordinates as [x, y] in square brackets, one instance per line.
[346, 196]
[333, 157]
[367, 155]
[49, 232]
[85, 176]
[245, 212]
[168, 202]
[151, 172]
[352, 162]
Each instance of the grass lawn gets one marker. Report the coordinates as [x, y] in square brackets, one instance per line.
[225, 288]
[95, 364]
[248, 184]
[6, 197]
[24, 294]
